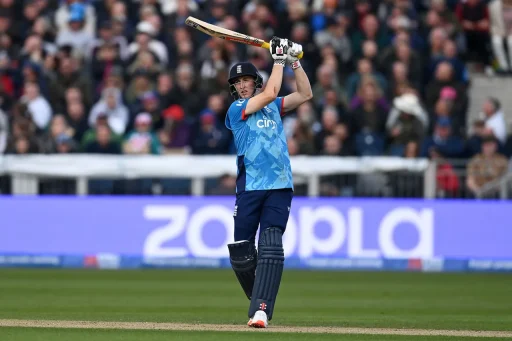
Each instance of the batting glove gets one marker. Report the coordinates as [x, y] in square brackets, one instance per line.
[294, 50]
[279, 50]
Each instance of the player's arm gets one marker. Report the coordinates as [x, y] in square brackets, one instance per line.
[304, 92]
[278, 50]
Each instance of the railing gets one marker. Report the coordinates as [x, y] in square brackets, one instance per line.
[314, 176]
[501, 186]
[75, 174]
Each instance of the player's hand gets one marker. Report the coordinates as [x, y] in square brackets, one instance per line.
[294, 50]
[279, 50]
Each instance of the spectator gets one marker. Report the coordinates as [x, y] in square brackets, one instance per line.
[90, 134]
[106, 37]
[326, 80]
[370, 30]
[77, 120]
[225, 186]
[399, 80]
[507, 148]
[76, 34]
[474, 140]
[176, 131]
[336, 36]
[330, 118]
[300, 33]
[144, 41]
[166, 91]
[494, 119]
[22, 145]
[104, 143]
[474, 16]
[364, 69]
[145, 61]
[450, 54]
[4, 132]
[141, 83]
[369, 117]
[69, 75]
[105, 58]
[444, 76]
[70, 9]
[357, 100]
[64, 144]
[443, 142]
[191, 101]
[447, 181]
[111, 105]
[437, 38]
[142, 140]
[500, 13]
[39, 108]
[447, 20]
[371, 52]
[305, 138]
[218, 61]
[150, 102]
[407, 122]
[210, 136]
[58, 128]
[445, 107]
[485, 167]
[332, 146]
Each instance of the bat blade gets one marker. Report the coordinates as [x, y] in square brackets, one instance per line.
[229, 35]
[223, 33]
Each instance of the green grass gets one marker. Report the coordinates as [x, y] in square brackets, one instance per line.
[39, 334]
[355, 299]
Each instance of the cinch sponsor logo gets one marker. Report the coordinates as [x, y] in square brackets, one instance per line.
[266, 124]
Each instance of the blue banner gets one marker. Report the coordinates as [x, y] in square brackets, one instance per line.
[193, 232]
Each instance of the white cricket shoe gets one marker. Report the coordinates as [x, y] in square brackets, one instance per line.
[259, 320]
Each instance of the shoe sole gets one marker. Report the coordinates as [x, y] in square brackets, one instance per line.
[257, 324]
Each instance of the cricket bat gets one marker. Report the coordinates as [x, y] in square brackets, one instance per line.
[219, 32]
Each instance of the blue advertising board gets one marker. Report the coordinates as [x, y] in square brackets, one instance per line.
[375, 234]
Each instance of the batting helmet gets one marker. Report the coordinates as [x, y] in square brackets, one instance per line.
[243, 69]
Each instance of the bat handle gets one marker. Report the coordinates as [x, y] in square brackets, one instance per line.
[266, 45]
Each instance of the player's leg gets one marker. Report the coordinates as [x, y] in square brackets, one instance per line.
[242, 252]
[274, 217]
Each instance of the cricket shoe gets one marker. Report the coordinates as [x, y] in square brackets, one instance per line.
[259, 320]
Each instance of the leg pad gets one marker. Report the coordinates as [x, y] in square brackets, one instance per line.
[243, 257]
[270, 270]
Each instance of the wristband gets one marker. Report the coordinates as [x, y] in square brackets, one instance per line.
[281, 62]
[295, 65]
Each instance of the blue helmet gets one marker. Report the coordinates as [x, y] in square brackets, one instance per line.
[243, 69]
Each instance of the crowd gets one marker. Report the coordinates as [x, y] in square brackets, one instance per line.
[390, 77]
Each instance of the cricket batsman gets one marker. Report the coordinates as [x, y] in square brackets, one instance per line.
[264, 185]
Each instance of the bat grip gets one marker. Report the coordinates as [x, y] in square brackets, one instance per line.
[266, 45]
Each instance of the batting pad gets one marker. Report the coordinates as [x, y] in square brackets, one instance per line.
[269, 271]
[243, 257]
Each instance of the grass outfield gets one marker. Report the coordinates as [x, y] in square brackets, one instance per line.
[37, 334]
[341, 299]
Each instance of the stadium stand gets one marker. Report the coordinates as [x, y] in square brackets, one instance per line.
[390, 78]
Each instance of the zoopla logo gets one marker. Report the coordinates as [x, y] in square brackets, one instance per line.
[265, 123]
[348, 236]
